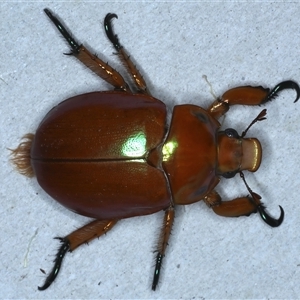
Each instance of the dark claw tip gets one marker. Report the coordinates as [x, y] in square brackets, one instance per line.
[109, 31]
[289, 84]
[159, 259]
[268, 219]
[110, 16]
[42, 288]
[74, 45]
[47, 11]
[49, 14]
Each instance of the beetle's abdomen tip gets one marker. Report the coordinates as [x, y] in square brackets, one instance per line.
[21, 156]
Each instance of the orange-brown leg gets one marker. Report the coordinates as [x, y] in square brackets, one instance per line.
[102, 69]
[97, 65]
[237, 207]
[162, 243]
[242, 206]
[248, 95]
[78, 237]
[124, 57]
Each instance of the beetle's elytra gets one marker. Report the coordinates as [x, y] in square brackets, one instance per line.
[109, 155]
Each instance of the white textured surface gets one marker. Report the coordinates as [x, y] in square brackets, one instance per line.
[174, 44]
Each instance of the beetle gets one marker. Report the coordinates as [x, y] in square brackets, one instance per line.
[109, 155]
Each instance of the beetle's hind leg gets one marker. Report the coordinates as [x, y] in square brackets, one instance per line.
[78, 237]
[162, 243]
[94, 63]
[124, 57]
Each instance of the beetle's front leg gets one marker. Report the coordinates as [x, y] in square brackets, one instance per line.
[243, 206]
[237, 207]
[248, 95]
[78, 237]
[162, 243]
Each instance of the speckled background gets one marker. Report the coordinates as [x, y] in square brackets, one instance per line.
[174, 45]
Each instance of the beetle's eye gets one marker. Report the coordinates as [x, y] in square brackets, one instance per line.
[229, 174]
[231, 133]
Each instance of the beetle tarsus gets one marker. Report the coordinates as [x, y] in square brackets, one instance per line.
[109, 32]
[268, 219]
[159, 259]
[65, 247]
[73, 44]
[261, 208]
[283, 86]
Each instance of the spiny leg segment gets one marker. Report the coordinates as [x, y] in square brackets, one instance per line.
[249, 95]
[163, 243]
[78, 237]
[97, 65]
[124, 57]
[94, 63]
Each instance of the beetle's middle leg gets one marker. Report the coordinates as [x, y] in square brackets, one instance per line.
[75, 239]
[248, 95]
[162, 243]
[94, 63]
[124, 57]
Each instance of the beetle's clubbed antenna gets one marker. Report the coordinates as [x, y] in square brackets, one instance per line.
[65, 247]
[283, 86]
[261, 116]
[109, 31]
[261, 208]
[74, 45]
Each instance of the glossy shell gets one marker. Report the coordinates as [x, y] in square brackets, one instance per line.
[190, 154]
[89, 153]
[104, 155]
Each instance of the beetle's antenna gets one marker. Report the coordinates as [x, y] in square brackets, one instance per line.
[261, 208]
[260, 117]
[73, 44]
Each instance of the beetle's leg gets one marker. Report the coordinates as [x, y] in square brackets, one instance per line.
[124, 57]
[243, 206]
[248, 95]
[94, 63]
[162, 243]
[78, 237]
[234, 208]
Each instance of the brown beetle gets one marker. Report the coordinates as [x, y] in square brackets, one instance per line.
[109, 155]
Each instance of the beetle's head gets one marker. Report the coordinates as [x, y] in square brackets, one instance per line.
[236, 153]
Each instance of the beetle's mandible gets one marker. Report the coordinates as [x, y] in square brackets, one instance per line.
[109, 155]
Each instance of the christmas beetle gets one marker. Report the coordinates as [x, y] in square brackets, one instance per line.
[109, 155]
